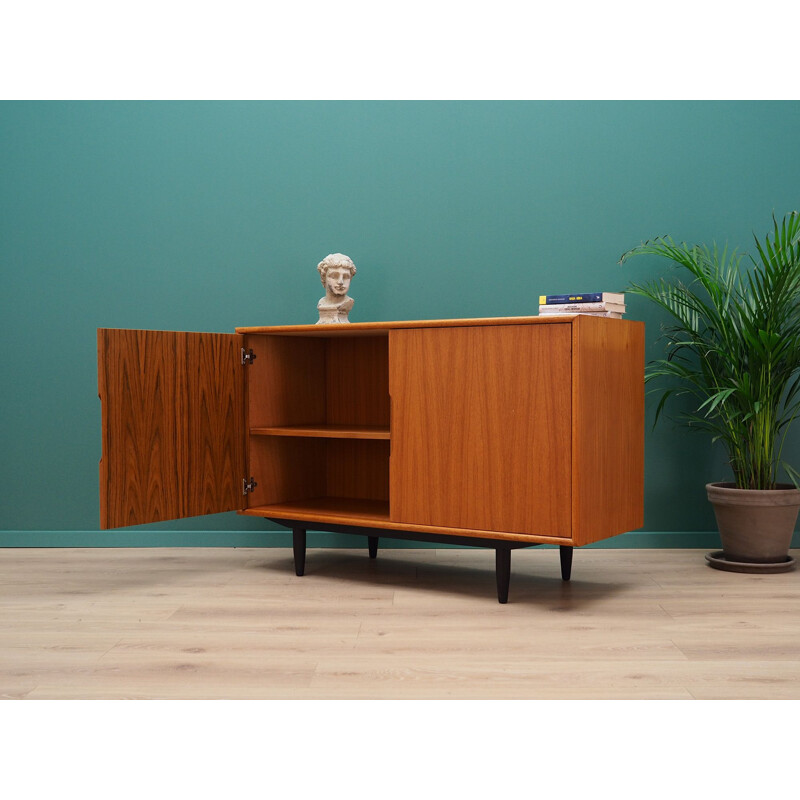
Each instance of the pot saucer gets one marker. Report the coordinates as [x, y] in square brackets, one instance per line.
[718, 561]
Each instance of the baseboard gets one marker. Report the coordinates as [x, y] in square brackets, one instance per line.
[154, 538]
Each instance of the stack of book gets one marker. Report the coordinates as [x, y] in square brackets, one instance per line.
[596, 304]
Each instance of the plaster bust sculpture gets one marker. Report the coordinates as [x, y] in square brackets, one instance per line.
[336, 271]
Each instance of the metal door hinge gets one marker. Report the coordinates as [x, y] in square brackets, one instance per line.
[248, 486]
[248, 356]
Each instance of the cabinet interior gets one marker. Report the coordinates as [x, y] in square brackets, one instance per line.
[319, 424]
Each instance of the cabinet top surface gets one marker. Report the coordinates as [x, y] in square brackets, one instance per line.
[357, 328]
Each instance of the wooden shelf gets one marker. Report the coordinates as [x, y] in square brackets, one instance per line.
[351, 510]
[325, 431]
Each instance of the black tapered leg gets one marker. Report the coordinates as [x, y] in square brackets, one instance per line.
[503, 568]
[299, 542]
[566, 562]
[372, 542]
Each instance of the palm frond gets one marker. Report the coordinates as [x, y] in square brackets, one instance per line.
[732, 343]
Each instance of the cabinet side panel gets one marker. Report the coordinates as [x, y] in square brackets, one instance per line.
[481, 428]
[173, 425]
[608, 402]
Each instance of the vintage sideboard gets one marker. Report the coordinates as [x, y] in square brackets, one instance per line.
[501, 433]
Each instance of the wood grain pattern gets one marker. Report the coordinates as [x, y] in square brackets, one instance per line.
[357, 381]
[286, 469]
[328, 399]
[289, 469]
[357, 468]
[315, 381]
[608, 425]
[414, 623]
[527, 427]
[173, 433]
[286, 382]
[481, 428]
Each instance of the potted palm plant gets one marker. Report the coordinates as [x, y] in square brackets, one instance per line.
[733, 345]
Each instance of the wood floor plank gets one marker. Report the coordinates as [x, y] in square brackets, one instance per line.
[237, 623]
[15, 689]
[529, 642]
[498, 678]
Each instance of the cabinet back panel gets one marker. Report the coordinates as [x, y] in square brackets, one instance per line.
[173, 425]
[286, 382]
[481, 429]
[317, 380]
[358, 468]
[286, 469]
[290, 469]
[358, 380]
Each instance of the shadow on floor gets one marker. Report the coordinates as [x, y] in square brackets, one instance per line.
[394, 570]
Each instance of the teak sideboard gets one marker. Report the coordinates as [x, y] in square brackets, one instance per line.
[501, 433]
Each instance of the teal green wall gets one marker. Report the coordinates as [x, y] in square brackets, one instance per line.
[204, 216]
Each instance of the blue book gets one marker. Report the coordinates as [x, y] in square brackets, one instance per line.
[586, 297]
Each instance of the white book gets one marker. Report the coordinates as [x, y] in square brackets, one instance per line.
[610, 314]
[554, 308]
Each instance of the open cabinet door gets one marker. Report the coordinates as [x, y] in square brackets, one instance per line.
[173, 420]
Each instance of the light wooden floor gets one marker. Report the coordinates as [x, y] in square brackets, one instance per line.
[237, 623]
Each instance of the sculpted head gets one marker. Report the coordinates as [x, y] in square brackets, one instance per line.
[336, 271]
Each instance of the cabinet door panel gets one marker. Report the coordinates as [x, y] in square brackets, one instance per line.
[173, 425]
[481, 428]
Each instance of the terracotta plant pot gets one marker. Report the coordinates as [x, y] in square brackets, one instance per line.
[755, 525]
